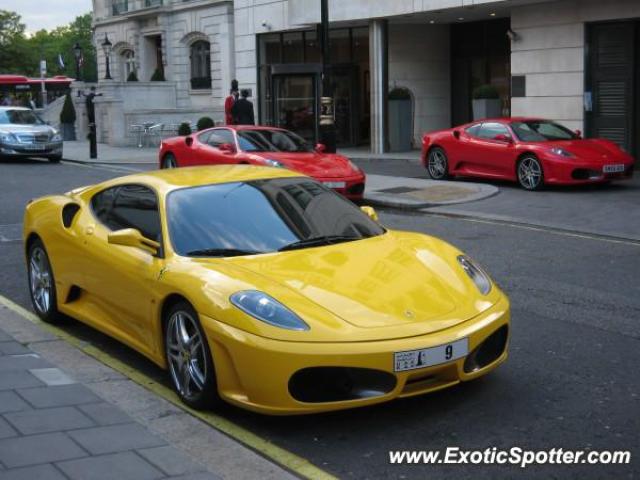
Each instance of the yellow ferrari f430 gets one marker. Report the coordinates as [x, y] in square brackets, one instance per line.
[264, 288]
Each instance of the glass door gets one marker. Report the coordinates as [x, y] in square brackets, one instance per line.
[294, 104]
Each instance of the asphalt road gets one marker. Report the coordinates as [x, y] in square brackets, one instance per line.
[571, 380]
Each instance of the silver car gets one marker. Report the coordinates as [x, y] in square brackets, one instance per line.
[23, 134]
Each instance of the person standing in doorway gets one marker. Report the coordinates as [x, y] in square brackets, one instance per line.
[230, 101]
[242, 110]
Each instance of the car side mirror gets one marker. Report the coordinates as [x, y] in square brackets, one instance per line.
[188, 141]
[370, 212]
[321, 147]
[456, 134]
[578, 133]
[130, 237]
[502, 137]
[227, 148]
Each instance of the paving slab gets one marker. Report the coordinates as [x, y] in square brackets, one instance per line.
[35, 449]
[48, 420]
[120, 466]
[58, 396]
[115, 438]
[78, 151]
[39, 472]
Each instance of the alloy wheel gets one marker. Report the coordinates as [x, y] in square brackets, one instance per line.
[40, 280]
[437, 164]
[529, 173]
[186, 355]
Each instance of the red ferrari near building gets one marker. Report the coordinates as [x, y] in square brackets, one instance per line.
[531, 151]
[269, 146]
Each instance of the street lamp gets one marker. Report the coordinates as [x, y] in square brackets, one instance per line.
[106, 48]
[77, 52]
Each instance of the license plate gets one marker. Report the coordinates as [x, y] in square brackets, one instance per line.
[334, 184]
[613, 168]
[33, 147]
[428, 357]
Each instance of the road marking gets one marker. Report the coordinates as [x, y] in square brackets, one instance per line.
[538, 228]
[288, 460]
[11, 232]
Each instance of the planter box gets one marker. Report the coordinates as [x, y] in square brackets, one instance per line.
[487, 108]
[68, 131]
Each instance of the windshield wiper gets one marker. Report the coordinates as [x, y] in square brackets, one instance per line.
[315, 241]
[221, 252]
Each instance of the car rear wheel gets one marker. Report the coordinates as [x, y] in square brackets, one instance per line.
[530, 174]
[42, 285]
[438, 164]
[169, 161]
[189, 359]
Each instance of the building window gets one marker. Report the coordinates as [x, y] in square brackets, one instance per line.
[128, 64]
[118, 7]
[200, 65]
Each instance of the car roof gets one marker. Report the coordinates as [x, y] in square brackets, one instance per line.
[175, 178]
[9, 107]
[509, 120]
[249, 127]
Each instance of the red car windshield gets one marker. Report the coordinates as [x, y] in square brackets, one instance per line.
[541, 131]
[263, 140]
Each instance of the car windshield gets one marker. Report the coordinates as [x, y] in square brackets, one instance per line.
[264, 140]
[242, 218]
[541, 131]
[19, 117]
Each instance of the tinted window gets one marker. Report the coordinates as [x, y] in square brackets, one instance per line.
[541, 131]
[204, 137]
[473, 129]
[491, 130]
[20, 117]
[218, 137]
[102, 202]
[261, 216]
[271, 141]
[129, 206]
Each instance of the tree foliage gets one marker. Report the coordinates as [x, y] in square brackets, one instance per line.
[20, 52]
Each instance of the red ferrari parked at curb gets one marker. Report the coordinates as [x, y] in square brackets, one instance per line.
[268, 146]
[531, 151]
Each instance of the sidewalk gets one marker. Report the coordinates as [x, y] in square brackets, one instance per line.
[63, 423]
[79, 152]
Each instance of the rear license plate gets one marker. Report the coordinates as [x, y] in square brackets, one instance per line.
[334, 184]
[613, 168]
[428, 357]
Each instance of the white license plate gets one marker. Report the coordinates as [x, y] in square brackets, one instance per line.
[613, 168]
[334, 184]
[33, 147]
[428, 357]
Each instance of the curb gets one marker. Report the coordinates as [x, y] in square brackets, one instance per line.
[98, 162]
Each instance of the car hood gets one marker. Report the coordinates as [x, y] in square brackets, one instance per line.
[392, 286]
[589, 149]
[17, 128]
[313, 164]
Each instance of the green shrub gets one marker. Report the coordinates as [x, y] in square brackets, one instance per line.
[68, 113]
[485, 91]
[184, 129]
[133, 76]
[158, 76]
[205, 122]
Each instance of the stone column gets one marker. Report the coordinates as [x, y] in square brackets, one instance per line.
[379, 66]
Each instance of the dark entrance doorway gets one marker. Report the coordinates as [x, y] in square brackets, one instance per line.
[612, 90]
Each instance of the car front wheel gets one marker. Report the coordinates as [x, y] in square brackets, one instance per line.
[42, 286]
[189, 359]
[438, 164]
[169, 161]
[530, 173]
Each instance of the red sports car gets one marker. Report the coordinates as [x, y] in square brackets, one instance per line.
[269, 146]
[532, 151]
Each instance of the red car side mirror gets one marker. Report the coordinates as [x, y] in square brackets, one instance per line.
[320, 147]
[578, 133]
[456, 134]
[501, 137]
[227, 148]
[188, 141]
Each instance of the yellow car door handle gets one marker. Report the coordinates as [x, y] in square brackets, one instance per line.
[89, 230]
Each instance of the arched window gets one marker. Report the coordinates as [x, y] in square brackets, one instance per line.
[128, 63]
[200, 65]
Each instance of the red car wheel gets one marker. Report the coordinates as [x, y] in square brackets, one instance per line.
[437, 164]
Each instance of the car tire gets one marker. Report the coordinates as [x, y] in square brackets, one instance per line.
[55, 158]
[529, 173]
[437, 164]
[189, 361]
[169, 161]
[42, 285]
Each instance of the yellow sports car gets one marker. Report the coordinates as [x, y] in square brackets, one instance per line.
[264, 288]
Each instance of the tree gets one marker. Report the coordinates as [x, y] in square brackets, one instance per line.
[13, 43]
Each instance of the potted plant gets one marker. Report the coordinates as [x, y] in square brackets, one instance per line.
[133, 76]
[486, 102]
[205, 122]
[68, 119]
[184, 129]
[158, 75]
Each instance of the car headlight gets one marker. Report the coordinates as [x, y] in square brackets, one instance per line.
[8, 138]
[267, 309]
[475, 272]
[272, 163]
[561, 152]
